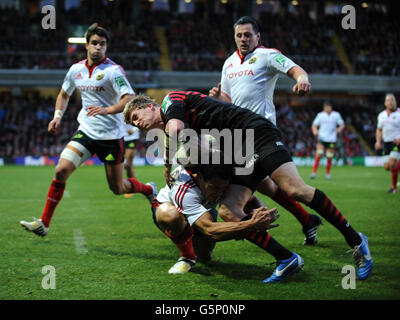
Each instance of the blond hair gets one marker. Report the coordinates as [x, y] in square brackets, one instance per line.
[139, 101]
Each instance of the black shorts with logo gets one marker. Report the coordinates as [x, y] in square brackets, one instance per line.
[268, 157]
[108, 151]
[130, 144]
[388, 147]
[328, 145]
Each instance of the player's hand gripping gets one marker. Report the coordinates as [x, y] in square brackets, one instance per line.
[262, 218]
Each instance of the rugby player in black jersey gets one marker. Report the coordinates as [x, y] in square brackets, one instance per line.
[197, 111]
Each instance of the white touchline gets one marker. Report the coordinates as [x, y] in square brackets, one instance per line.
[80, 243]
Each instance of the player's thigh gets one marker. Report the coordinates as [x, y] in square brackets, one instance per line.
[267, 187]
[289, 181]
[330, 152]
[233, 202]
[320, 148]
[129, 156]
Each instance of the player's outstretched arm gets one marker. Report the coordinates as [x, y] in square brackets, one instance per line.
[61, 106]
[173, 129]
[261, 219]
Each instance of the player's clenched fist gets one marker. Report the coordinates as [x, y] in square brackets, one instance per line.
[302, 87]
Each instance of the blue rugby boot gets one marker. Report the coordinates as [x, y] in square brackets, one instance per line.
[362, 257]
[286, 268]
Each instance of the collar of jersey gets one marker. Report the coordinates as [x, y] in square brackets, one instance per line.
[94, 65]
[244, 57]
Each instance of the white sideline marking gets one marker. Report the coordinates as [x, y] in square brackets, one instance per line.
[80, 243]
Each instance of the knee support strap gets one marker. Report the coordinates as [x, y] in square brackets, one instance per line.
[74, 157]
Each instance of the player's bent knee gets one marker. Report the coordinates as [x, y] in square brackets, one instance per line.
[117, 188]
[62, 173]
[299, 192]
[168, 216]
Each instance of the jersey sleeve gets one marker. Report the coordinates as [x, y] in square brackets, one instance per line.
[379, 125]
[69, 84]
[187, 201]
[173, 106]
[225, 86]
[278, 63]
[120, 82]
[339, 120]
[317, 120]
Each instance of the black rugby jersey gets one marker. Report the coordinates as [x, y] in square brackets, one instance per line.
[200, 111]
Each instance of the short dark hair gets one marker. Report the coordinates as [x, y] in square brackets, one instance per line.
[96, 29]
[327, 103]
[245, 20]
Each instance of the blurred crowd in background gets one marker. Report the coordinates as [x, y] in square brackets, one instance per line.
[24, 121]
[198, 44]
[193, 44]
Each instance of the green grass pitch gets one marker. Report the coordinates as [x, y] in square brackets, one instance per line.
[104, 246]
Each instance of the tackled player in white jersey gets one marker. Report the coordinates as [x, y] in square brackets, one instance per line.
[185, 212]
[104, 90]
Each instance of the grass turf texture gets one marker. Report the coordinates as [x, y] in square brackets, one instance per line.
[104, 246]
